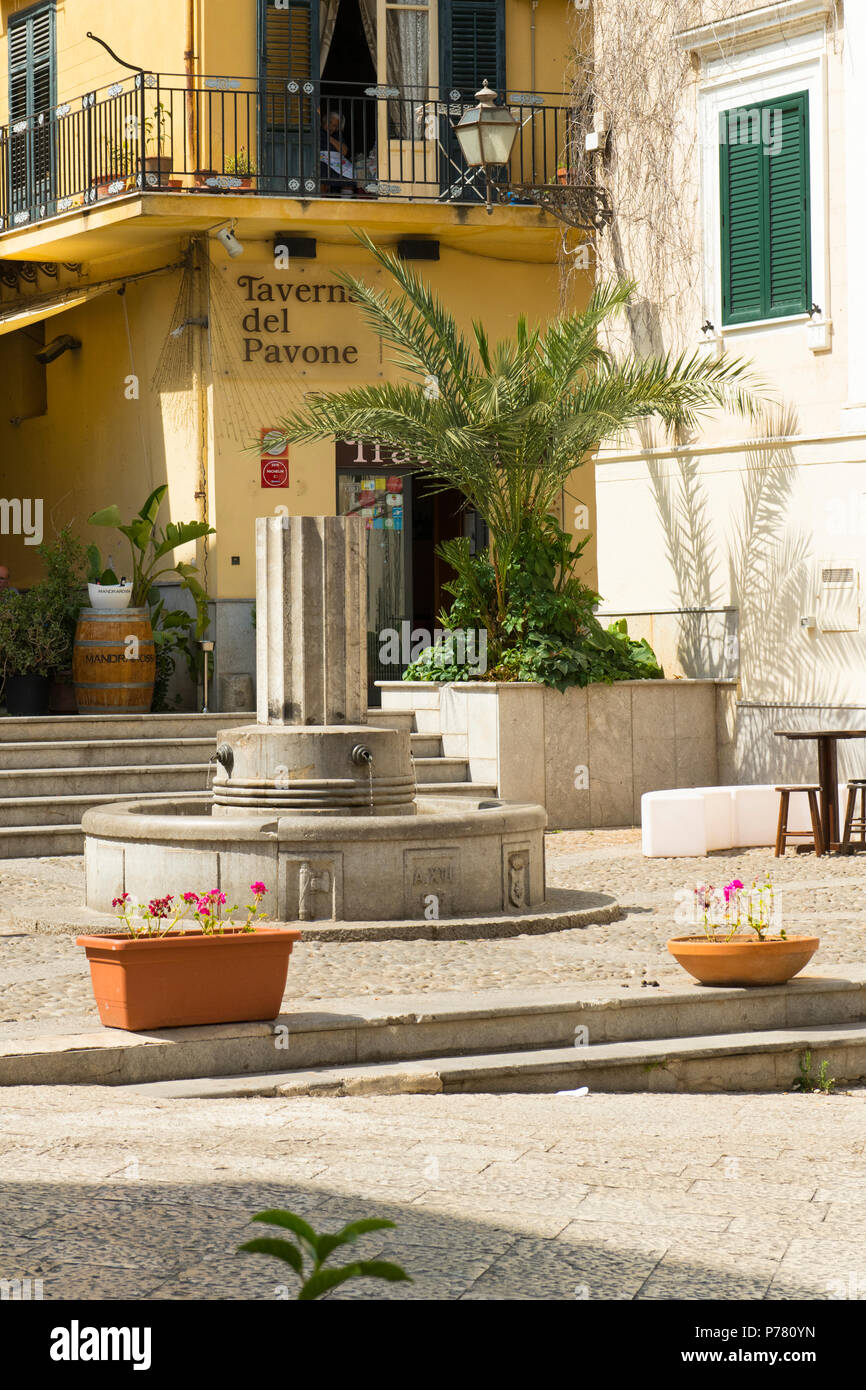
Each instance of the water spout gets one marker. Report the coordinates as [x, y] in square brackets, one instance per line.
[361, 754]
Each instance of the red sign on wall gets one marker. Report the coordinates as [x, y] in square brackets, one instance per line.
[275, 459]
[275, 473]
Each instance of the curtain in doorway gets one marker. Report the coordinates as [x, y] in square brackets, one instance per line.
[328, 11]
[327, 23]
[407, 51]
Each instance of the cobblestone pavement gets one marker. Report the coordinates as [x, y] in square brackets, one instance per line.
[108, 1194]
[44, 984]
[494, 1197]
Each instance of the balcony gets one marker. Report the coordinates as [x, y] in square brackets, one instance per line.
[162, 133]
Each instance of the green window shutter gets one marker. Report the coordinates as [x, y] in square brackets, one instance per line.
[31, 63]
[472, 45]
[289, 50]
[764, 165]
[788, 274]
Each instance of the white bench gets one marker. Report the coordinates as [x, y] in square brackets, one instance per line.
[695, 820]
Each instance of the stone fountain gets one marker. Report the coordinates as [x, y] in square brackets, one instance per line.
[311, 799]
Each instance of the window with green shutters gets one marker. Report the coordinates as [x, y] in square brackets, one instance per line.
[471, 45]
[764, 162]
[32, 79]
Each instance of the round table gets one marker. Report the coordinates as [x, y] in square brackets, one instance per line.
[828, 778]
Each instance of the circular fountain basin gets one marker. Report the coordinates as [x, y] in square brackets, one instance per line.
[448, 857]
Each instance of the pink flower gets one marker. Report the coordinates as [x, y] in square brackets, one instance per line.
[258, 888]
[216, 895]
[203, 907]
[731, 888]
[121, 901]
[160, 907]
[190, 897]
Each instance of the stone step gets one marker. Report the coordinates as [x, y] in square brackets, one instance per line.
[30, 812]
[734, 1062]
[61, 727]
[392, 718]
[104, 752]
[440, 769]
[426, 745]
[474, 789]
[21, 788]
[514, 1023]
[39, 841]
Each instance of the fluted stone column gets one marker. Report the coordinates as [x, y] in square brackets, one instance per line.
[311, 620]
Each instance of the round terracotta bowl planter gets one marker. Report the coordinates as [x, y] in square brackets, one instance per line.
[743, 960]
[187, 977]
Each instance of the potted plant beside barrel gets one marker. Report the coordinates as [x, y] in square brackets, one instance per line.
[37, 626]
[114, 658]
[33, 645]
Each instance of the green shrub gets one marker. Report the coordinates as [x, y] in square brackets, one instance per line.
[548, 632]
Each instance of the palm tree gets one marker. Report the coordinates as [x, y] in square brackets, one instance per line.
[507, 424]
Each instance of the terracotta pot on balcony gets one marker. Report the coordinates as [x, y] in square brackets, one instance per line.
[159, 165]
[201, 179]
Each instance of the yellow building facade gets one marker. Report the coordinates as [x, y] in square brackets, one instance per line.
[133, 139]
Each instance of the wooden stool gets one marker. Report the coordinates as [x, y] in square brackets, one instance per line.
[783, 834]
[852, 822]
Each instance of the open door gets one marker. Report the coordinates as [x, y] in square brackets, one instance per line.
[32, 84]
[289, 96]
[471, 49]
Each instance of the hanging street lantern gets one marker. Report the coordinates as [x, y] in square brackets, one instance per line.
[486, 133]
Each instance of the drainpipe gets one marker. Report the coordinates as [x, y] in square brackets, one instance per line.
[189, 68]
[532, 10]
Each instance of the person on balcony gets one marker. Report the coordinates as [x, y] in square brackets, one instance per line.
[338, 173]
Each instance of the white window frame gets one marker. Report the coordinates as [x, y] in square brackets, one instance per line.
[773, 70]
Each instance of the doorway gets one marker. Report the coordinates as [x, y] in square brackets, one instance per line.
[406, 520]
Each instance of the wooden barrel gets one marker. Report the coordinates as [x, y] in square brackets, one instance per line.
[113, 662]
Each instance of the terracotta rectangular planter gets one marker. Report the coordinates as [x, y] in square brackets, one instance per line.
[187, 977]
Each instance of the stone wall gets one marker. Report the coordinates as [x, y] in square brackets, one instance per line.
[586, 755]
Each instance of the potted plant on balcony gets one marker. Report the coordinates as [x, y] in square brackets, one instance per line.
[157, 166]
[241, 166]
[743, 941]
[160, 971]
[33, 645]
[120, 168]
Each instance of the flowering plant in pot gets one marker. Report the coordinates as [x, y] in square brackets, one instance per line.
[743, 941]
[161, 971]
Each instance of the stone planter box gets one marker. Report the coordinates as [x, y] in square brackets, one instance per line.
[586, 755]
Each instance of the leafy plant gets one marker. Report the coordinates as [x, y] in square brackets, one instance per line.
[149, 546]
[318, 1248]
[122, 159]
[807, 1083]
[241, 164]
[37, 627]
[548, 631]
[154, 126]
[507, 424]
[171, 639]
[34, 637]
[97, 573]
[62, 589]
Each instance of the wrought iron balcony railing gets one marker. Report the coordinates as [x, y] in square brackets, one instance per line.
[302, 139]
